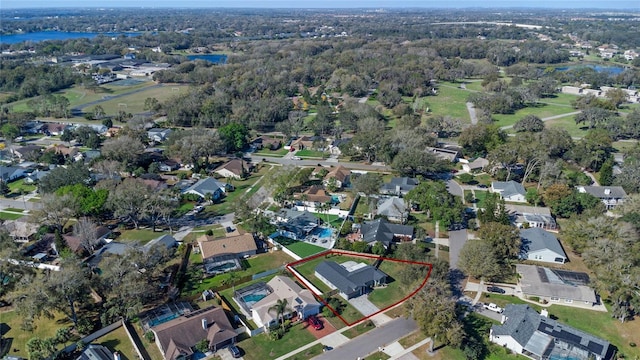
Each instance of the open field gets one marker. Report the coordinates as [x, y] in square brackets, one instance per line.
[135, 102]
[568, 123]
[117, 340]
[44, 328]
[451, 100]
[141, 236]
[541, 111]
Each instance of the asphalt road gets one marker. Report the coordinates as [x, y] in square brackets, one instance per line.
[455, 189]
[457, 239]
[19, 204]
[367, 343]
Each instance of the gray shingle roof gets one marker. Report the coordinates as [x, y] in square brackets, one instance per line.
[206, 186]
[545, 282]
[384, 232]
[604, 192]
[536, 239]
[508, 188]
[400, 185]
[392, 207]
[348, 282]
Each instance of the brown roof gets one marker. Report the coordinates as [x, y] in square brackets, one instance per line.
[155, 184]
[55, 127]
[210, 247]
[315, 193]
[236, 166]
[64, 150]
[340, 173]
[75, 244]
[180, 334]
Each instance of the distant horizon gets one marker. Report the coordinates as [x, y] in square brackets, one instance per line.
[326, 4]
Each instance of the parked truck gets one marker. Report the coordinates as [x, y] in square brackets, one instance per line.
[493, 307]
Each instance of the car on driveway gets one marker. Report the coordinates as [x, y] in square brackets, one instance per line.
[493, 307]
[495, 289]
[315, 322]
[235, 351]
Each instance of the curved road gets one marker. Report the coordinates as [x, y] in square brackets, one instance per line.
[285, 161]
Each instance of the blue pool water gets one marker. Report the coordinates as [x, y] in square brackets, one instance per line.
[253, 298]
[213, 58]
[324, 233]
[613, 70]
[335, 199]
[162, 320]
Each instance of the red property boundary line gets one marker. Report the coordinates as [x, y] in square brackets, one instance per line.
[290, 267]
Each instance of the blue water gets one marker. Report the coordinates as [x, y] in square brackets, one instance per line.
[324, 233]
[163, 320]
[335, 199]
[214, 58]
[253, 298]
[613, 70]
[54, 35]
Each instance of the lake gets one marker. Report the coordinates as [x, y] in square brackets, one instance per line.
[214, 58]
[54, 35]
[613, 70]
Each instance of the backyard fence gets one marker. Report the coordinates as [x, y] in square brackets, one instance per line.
[266, 273]
[89, 338]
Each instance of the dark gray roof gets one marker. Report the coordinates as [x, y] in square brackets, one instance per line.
[546, 282]
[382, 231]
[604, 192]
[508, 188]
[536, 239]
[206, 186]
[392, 207]
[96, 352]
[399, 185]
[531, 330]
[348, 282]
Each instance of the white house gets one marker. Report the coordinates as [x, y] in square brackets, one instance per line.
[475, 165]
[509, 191]
[611, 196]
[540, 245]
[555, 286]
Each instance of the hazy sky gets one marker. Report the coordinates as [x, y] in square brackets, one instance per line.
[5, 4]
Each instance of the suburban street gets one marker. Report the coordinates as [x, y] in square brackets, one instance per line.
[371, 341]
[457, 239]
[255, 158]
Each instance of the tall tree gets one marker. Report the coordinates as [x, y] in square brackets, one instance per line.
[129, 199]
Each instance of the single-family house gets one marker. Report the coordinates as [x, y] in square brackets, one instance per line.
[334, 147]
[177, 338]
[75, 243]
[63, 150]
[301, 302]
[444, 154]
[313, 196]
[154, 184]
[536, 336]
[509, 191]
[112, 131]
[55, 129]
[296, 224]
[553, 285]
[21, 230]
[168, 165]
[33, 127]
[541, 245]
[36, 176]
[27, 152]
[234, 169]
[350, 278]
[214, 249]
[476, 165]
[523, 216]
[268, 142]
[382, 231]
[338, 177]
[96, 352]
[208, 188]
[158, 134]
[399, 186]
[393, 209]
[309, 142]
[165, 240]
[10, 173]
[611, 196]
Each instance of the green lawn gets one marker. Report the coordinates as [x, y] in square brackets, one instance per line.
[135, 102]
[118, 340]
[262, 347]
[451, 100]
[15, 186]
[141, 236]
[541, 111]
[311, 154]
[378, 356]
[304, 249]
[9, 216]
[480, 196]
[275, 153]
[44, 328]
[568, 123]
[394, 291]
[225, 205]
[359, 329]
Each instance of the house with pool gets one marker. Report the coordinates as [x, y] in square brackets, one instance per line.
[223, 254]
[257, 301]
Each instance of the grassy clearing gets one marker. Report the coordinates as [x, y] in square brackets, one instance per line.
[225, 205]
[359, 329]
[273, 153]
[451, 100]
[118, 340]
[44, 328]
[312, 154]
[304, 249]
[261, 346]
[568, 123]
[16, 186]
[135, 102]
[141, 236]
[542, 111]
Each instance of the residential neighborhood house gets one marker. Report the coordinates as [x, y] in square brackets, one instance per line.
[177, 338]
[158, 135]
[234, 169]
[393, 209]
[338, 177]
[553, 285]
[350, 278]
[382, 231]
[208, 188]
[399, 186]
[509, 191]
[611, 196]
[301, 302]
[537, 336]
[523, 216]
[227, 249]
[540, 245]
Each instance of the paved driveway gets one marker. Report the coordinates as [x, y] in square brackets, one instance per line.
[363, 305]
[454, 188]
[457, 239]
[369, 342]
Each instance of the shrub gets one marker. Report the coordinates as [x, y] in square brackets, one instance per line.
[150, 336]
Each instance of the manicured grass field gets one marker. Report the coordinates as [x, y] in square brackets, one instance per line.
[9, 216]
[117, 340]
[262, 347]
[568, 123]
[311, 154]
[451, 101]
[141, 236]
[304, 249]
[15, 186]
[135, 102]
[274, 153]
[542, 111]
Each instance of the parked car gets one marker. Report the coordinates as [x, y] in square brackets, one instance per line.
[493, 307]
[315, 322]
[296, 158]
[495, 289]
[235, 352]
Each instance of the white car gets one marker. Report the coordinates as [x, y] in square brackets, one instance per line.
[296, 158]
[493, 307]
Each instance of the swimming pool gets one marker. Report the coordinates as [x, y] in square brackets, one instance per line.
[324, 233]
[253, 298]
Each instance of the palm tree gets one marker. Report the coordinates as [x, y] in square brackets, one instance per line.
[280, 307]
